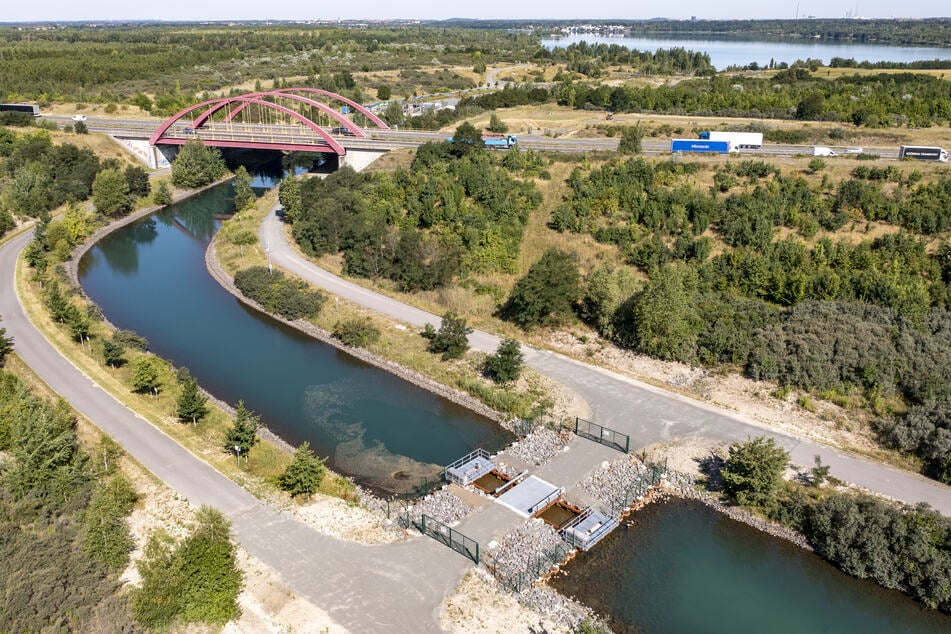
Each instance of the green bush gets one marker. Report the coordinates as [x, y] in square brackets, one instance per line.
[452, 338]
[753, 472]
[547, 295]
[196, 581]
[302, 477]
[506, 364]
[291, 299]
[357, 333]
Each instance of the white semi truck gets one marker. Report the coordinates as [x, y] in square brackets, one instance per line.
[738, 140]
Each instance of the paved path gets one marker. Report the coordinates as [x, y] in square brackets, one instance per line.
[647, 413]
[380, 588]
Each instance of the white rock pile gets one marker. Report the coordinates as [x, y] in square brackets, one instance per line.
[520, 549]
[614, 482]
[441, 505]
[540, 446]
[561, 610]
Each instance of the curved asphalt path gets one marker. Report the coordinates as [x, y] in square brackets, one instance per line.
[647, 413]
[379, 588]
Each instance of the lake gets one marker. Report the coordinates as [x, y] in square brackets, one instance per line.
[734, 52]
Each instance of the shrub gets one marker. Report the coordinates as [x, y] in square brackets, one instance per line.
[303, 475]
[291, 299]
[451, 340]
[506, 364]
[357, 333]
[753, 472]
[547, 295]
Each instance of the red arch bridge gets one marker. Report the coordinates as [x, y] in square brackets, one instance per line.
[285, 119]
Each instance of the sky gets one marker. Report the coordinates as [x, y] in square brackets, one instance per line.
[91, 10]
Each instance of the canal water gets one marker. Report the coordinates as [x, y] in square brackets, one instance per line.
[726, 52]
[388, 434]
[679, 567]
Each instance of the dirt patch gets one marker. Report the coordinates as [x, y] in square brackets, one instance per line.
[759, 401]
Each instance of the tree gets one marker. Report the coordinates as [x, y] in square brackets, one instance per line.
[816, 165]
[466, 139]
[199, 581]
[506, 364]
[244, 431]
[80, 128]
[244, 197]
[197, 165]
[302, 477]
[6, 345]
[138, 181]
[289, 194]
[192, 405]
[547, 295]
[451, 340]
[163, 194]
[661, 320]
[383, 93]
[753, 472]
[104, 533]
[393, 114]
[497, 125]
[145, 375]
[110, 193]
[819, 473]
[631, 139]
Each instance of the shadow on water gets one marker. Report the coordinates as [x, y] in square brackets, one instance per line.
[388, 434]
[679, 567]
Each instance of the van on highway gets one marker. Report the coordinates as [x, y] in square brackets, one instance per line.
[79, 117]
[823, 151]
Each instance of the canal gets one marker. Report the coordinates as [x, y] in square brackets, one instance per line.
[385, 432]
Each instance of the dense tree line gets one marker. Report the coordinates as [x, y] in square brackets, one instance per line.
[591, 59]
[871, 100]
[832, 316]
[455, 211]
[118, 64]
[36, 175]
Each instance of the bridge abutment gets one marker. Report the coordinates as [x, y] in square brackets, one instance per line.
[359, 160]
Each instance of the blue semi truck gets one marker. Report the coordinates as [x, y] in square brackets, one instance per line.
[700, 146]
[496, 141]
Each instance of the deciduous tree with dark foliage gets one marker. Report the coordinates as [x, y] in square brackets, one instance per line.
[548, 293]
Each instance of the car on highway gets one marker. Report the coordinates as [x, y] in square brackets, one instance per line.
[854, 150]
[343, 131]
[79, 117]
[189, 130]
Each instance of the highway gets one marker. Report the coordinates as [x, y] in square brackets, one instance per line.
[394, 139]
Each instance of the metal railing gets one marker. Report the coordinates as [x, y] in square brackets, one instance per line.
[545, 501]
[450, 537]
[604, 435]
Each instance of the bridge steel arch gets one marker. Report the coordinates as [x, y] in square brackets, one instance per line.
[377, 121]
[245, 100]
[336, 116]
